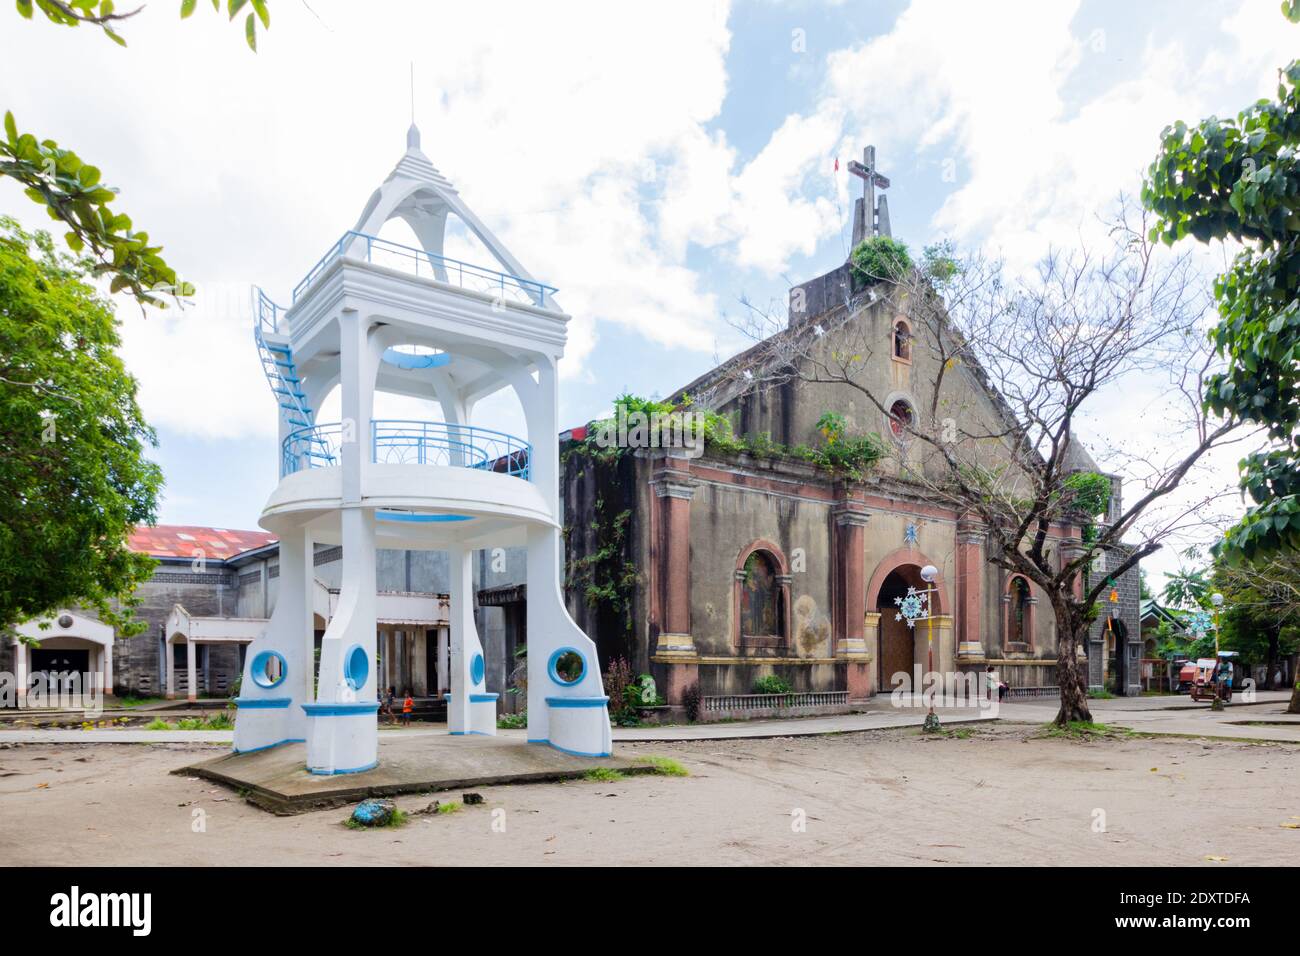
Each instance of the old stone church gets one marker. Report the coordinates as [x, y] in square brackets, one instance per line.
[721, 569]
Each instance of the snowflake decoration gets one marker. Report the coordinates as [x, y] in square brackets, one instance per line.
[909, 535]
[915, 607]
[1200, 624]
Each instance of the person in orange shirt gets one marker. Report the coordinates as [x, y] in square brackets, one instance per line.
[408, 706]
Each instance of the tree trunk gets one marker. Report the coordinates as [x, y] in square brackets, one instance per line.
[1274, 642]
[1070, 630]
[1295, 698]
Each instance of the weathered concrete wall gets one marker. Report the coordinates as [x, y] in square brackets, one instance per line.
[602, 526]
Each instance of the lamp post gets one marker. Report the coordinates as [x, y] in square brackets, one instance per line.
[1217, 600]
[928, 574]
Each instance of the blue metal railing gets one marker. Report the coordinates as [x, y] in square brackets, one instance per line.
[396, 442]
[266, 313]
[426, 264]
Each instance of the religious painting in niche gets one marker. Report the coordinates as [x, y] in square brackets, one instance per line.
[760, 598]
[902, 341]
[1019, 611]
[900, 417]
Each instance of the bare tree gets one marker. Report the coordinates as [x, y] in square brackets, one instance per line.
[1038, 352]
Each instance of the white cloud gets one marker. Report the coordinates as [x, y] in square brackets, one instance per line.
[248, 167]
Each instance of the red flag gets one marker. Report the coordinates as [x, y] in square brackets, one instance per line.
[837, 164]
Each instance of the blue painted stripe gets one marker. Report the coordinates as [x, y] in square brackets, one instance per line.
[341, 710]
[253, 750]
[566, 750]
[577, 701]
[417, 517]
[469, 733]
[335, 773]
[482, 698]
[253, 703]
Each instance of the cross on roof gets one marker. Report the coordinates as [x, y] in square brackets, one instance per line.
[868, 205]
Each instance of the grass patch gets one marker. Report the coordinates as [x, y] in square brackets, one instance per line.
[1100, 694]
[959, 733]
[220, 721]
[664, 766]
[451, 806]
[603, 775]
[1083, 730]
[129, 701]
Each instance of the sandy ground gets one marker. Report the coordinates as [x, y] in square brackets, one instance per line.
[1002, 795]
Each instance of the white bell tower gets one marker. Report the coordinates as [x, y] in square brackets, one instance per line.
[374, 316]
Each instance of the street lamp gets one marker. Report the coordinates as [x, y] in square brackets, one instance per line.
[1217, 600]
[928, 575]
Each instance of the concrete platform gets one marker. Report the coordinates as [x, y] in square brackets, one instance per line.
[277, 780]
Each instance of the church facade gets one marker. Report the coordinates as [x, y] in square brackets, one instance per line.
[712, 571]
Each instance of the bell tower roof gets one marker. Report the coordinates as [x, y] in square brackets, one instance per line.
[415, 165]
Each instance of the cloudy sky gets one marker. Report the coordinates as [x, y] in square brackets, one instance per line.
[655, 162]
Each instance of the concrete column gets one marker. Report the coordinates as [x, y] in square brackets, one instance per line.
[848, 622]
[192, 688]
[444, 660]
[969, 595]
[169, 668]
[420, 662]
[674, 490]
[464, 638]
[21, 662]
[108, 668]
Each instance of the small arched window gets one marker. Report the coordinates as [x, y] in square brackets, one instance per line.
[1019, 613]
[901, 417]
[902, 341]
[761, 613]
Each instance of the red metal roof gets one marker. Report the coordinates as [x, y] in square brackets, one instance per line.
[182, 540]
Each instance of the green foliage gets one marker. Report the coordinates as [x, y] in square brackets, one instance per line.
[831, 425]
[603, 775]
[512, 721]
[939, 263]
[1240, 179]
[451, 806]
[70, 188]
[880, 258]
[1088, 493]
[103, 14]
[74, 475]
[72, 193]
[772, 684]
[220, 721]
[1080, 730]
[1187, 589]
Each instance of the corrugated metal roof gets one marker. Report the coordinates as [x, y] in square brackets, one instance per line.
[182, 541]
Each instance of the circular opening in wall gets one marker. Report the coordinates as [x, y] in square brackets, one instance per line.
[356, 667]
[901, 418]
[567, 666]
[269, 669]
[476, 669]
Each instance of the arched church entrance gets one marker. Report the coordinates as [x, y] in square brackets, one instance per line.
[898, 649]
[1117, 654]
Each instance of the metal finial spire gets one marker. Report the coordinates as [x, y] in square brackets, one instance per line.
[413, 134]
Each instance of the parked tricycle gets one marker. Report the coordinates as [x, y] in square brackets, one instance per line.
[1213, 678]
